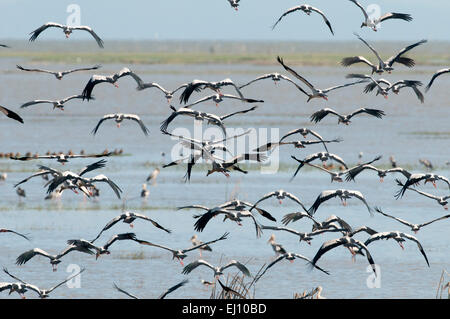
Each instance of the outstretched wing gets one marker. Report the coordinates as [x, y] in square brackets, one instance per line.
[39, 30]
[11, 114]
[88, 29]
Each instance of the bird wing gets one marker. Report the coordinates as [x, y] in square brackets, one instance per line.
[295, 199]
[173, 288]
[26, 256]
[189, 267]
[371, 48]
[105, 179]
[35, 102]
[106, 117]
[438, 73]
[14, 232]
[238, 112]
[39, 30]
[414, 239]
[11, 114]
[224, 236]
[125, 292]
[292, 217]
[95, 67]
[79, 96]
[342, 86]
[88, 29]
[396, 58]
[34, 70]
[404, 222]
[366, 16]
[360, 196]
[262, 77]
[324, 196]
[91, 167]
[327, 246]
[111, 223]
[239, 265]
[434, 220]
[298, 76]
[125, 236]
[374, 112]
[319, 115]
[357, 59]
[337, 159]
[138, 120]
[279, 258]
[153, 222]
[286, 13]
[324, 18]
[393, 15]
[63, 282]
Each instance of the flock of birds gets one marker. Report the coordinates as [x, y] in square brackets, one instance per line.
[236, 210]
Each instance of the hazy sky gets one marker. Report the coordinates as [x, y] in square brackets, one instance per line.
[216, 20]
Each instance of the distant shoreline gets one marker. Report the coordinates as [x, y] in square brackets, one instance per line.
[210, 52]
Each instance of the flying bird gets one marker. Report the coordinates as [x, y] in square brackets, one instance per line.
[67, 31]
[316, 93]
[217, 98]
[112, 79]
[59, 74]
[199, 85]
[168, 94]
[374, 22]
[275, 77]
[323, 156]
[383, 66]
[345, 119]
[218, 271]
[414, 227]
[308, 10]
[118, 118]
[343, 194]
[443, 200]
[60, 158]
[280, 195]
[399, 237]
[128, 218]
[57, 104]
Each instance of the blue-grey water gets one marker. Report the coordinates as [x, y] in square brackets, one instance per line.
[409, 131]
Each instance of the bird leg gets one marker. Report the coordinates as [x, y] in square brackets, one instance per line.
[115, 84]
[381, 179]
[280, 201]
[118, 125]
[325, 98]
[401, 245]
[181, 261]
[131, 225]
[54, 267]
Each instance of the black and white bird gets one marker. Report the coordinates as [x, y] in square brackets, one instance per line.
[280, 195]
[199, 85]
[128, 218]
[209, 118]
[218, 271]
[437, 74]
[118, 118]
[382, 173]
[54, 259]
[67, 29]
[442, 200]
[304, 132]
[291, 257]
[11, 114]
[217, 98]
[323, 156]
[59, 74]
[57, 104]
[415, 179]
[297, 144]
[395, 87]
[308, 10]
[225, 166]
[316, 93]
[306, 237]
[180, 254]
[373, 23]
[275, 77]
[112, 79]
[383, 66]
[60, 158]
[414, 227]
[345, 119]
[343, 194]
[399, 237]
[42, 293]
[168, 94]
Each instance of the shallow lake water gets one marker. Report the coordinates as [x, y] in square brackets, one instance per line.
[409, 131]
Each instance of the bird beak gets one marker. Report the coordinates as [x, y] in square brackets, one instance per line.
[118, 125]
[116, 85]
[325, 98]
[381, 179]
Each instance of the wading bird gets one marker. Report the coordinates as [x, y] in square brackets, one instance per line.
[168, 94]
[199, 85]
[343, 194]
[57, 104]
